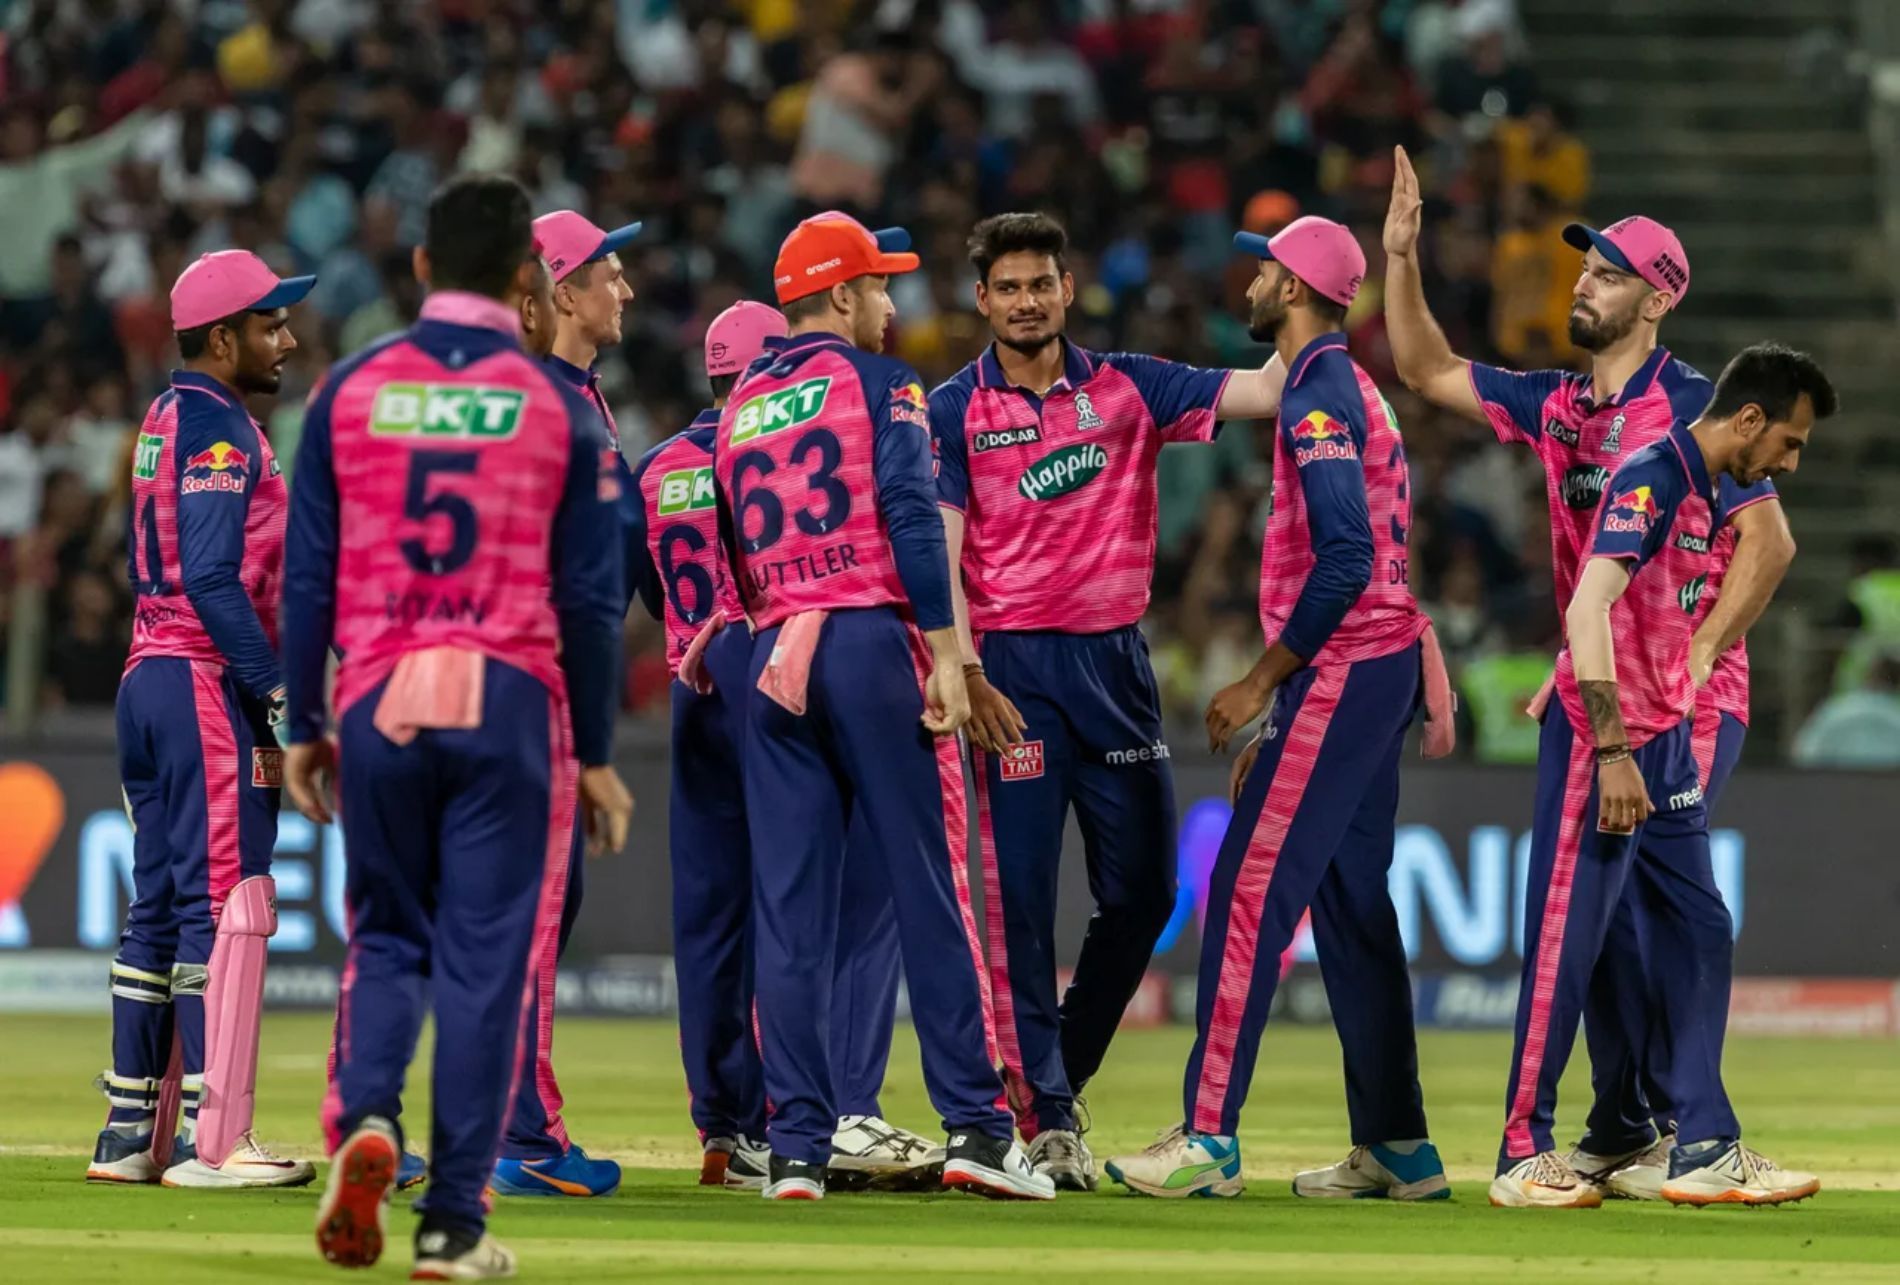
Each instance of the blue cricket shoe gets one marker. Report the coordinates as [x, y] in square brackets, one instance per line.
[573, 1174]
[412, 1172]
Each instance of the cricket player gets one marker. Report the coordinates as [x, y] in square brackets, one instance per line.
[537, 336]
[1619, 801]
[1314, 824]
[684, 580]
[454, 531]
[198, 714]
[828, 508]
[1634, 274]
[587, 292]
[1047, 483]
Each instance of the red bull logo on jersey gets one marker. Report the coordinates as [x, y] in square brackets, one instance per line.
[909, 405]
[1640, 506]
[1330, 440]
[1063, 471]
[783, 408]
[219, 467]
[452, 412]
[686, 489]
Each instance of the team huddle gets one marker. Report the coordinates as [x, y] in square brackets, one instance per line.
[867, 591]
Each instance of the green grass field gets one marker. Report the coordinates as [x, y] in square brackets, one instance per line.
[1831, 1106]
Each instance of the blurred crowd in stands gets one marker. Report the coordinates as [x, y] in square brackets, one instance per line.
[137, 134]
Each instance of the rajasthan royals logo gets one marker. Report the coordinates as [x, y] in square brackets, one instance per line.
[1085, 416]
[1613, 440]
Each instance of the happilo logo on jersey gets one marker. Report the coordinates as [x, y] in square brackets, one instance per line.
[783, 408]
[219, 467]
[1689, 595]
[686, 489]
[1632, 512]
[1321, 437]
[446, 412]
[1583, 486]
[1062, 471]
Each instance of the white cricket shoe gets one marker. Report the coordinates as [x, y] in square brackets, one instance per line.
[1634, 1175]
[1179, 1163]
[123, 1157]
[248, 1165]
[1543, 1181]
[1064, 1158]
[1736, 1175]
[451, 1256]
[1378, 1173]
[870, 1151]
[736, 1161]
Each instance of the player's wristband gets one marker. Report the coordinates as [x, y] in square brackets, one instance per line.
[972, 667]
[1607, 754]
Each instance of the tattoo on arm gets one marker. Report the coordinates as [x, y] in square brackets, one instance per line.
[1606, 717]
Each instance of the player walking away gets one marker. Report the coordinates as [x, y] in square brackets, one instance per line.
[454, 533]
[205, 554]
[1619, 802]
[823, 465]
[1634, 274]
[1316, 814]
[1048, 489]
[685, 582]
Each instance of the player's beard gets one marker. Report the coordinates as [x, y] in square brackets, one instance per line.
[259, 381]
[1028, 347]
[1595, 332]
[1264, 322]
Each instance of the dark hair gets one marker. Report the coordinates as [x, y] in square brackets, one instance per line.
[193, 343]
[1002, 234]
[1772, 376]
[481, 229]
[807, 307]
[1327, 310]
[722, 384]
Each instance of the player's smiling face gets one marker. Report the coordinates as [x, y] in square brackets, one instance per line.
[1026, 300]
[1607, 302]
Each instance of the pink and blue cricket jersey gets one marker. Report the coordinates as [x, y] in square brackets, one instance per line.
[680, 567]
[452, 494]
[1659, 516]
[1057, 489]
[197, 759]
[1581, 441]
[1315, 822]
[827, 503]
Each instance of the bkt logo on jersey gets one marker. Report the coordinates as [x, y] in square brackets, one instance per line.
[775, 412]
[225, 464]
[1331, 440]
[1641, 506]
[686, 489]
[151, 449]
[467, 412]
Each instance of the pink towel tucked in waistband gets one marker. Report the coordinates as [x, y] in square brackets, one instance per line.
[436, 687]
[1441, 733]
[693, 670]
[788, 671]
[1541, 701]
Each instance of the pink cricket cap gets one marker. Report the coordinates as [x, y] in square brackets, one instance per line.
[1320, 252]
[231, 281]
[738, 334]
[1642, 246]
[567, 239]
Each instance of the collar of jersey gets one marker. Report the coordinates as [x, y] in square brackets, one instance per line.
[1077, 370]
[1638, 383]
[708, 418]
[1690, 453]
[204, 384]
[567, 370]
[460, 308]
[1316, 346]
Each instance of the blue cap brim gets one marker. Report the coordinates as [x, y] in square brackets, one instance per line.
[1254, 244]
[892, 240]
[613, 241]
[289, 291]
[1584, 237]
